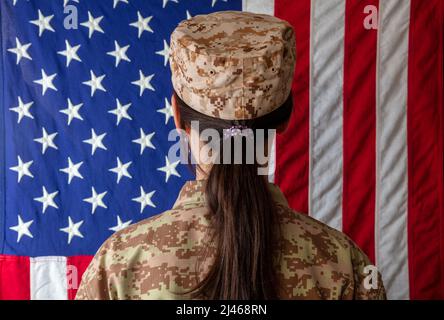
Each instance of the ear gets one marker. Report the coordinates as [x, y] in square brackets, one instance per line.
[176, 113]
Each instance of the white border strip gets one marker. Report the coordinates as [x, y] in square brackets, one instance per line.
[258, 6]
[326, 107]
[391, 147]
[48, 278]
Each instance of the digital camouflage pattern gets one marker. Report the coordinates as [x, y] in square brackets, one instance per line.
[232, 64]
[165, 255]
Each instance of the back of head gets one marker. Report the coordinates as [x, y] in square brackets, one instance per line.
[233, 71]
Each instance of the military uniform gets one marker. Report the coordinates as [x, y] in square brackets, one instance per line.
[162, 256]
[235, 66]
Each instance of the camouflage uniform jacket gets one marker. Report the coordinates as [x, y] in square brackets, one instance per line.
[159, 256]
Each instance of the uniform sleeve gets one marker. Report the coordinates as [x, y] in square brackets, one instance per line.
[367, 281]
[95, 283]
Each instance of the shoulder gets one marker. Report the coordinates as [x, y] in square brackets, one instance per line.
[167, 229]
[318, 245]
[139, 252]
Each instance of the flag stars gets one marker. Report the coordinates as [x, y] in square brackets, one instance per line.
[121, 170]
[93, 24]
[46, 82]
[72, 111]
[22, 228]
[44, 23]
[22, 168]
[95, 83]
[21, 50]
[47, 199]
[70, 53]
[165, 52]
[65, 2]
[116, 2]
[142, 24]
[22, 109]
[167, 111]
[96, 200]
[72, 170]
[121, 111]
[119, 53]
[145, 199]
[169, 169]
[96, 141]
[72, 229]
[166, 1]
[145, 141]
[144, 82]
[47, 140]
[213, 2]
[120, 225]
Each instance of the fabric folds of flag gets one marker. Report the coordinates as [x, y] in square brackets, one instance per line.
[85, 113]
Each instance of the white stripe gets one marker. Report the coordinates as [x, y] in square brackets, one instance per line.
[48, 278]
[326, 105]
[258, 6]
[391, 147]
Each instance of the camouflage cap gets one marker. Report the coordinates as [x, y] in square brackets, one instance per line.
[233, 65]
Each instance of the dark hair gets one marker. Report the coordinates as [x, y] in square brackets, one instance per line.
[244, 216]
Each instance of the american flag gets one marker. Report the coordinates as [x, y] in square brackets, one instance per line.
[85, 114]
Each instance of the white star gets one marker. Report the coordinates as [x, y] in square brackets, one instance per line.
[22, 228]
[145, 141]
[95, 83]
[96, 200]
[120, 225]
[72, 229]
[166, 1]
[121, 111]
[121, 169]
[144, 82]
[189, 16]
[145, 199]
[47, 199]
[169, 169]
[46, 140]
[46, 82]
[22, 168]
[22, 109]
[72, 170]
[167, 111]
[44, 23]
[117, 1]
[72, 111]
[119, 53]
[95, 141]
[21, 50]
[142, 24]
[214, 2]
[70, 53]
[65, 2]
[93, 24]
[165, 52]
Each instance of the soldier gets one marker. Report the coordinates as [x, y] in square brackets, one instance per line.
[231, 233]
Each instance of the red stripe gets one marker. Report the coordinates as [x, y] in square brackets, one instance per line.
[14, 278]
[359, 127]
[76, 264]
[292, 146]
[425, 150]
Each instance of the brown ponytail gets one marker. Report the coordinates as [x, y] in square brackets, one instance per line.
[244, 217]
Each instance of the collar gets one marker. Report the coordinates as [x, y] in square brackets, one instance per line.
[193, 194]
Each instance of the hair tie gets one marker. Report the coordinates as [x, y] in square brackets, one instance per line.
[237, 130]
